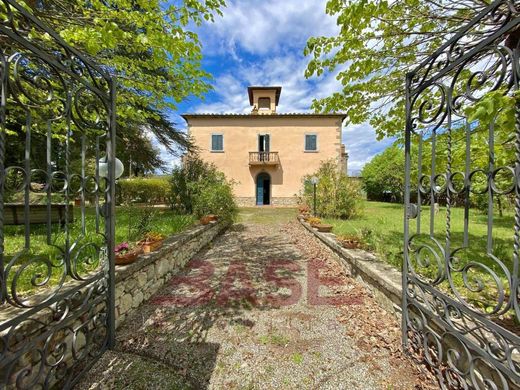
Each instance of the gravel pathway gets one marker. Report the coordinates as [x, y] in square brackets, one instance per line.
[265, 307]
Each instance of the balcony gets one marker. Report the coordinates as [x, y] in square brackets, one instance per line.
[263, 158]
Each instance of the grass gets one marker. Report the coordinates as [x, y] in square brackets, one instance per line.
[41, 266]
[274, 339]
[380, 230]
[266, 215]
[297, 358]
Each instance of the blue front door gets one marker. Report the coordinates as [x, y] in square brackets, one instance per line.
[263, 184]
[260, 191]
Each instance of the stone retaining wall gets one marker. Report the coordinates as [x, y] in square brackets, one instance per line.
[137, 282]
[58, 336]
[275, 201]
[381, 279]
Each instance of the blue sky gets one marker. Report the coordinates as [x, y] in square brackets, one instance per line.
[261, 43]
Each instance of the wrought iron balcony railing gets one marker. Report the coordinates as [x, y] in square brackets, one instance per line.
[263, 158]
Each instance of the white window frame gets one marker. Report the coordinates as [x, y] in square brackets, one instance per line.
[211, 143]
[305, 143]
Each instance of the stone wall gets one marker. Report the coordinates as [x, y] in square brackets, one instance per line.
[275, 201]
[288, 202]
[137, 282]
[72, 331]
[381, 279]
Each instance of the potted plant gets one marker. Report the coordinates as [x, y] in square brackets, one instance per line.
[206, 219]
[323, 227]
[314, 221]
[350, 242]
[151, 242]
[126, 253]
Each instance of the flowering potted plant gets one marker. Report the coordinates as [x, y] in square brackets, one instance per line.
[151, 242]
[314, 221]
[126, 253]
[304, 212]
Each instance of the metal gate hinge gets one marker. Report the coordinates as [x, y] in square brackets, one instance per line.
[411, 212]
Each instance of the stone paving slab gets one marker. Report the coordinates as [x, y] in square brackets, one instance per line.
[214, 326]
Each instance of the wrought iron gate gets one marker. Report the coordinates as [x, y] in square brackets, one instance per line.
[57, 142]
[461, 313]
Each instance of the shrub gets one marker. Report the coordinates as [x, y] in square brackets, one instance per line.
[215, 198]
[198, 187]
[151, 190]
[337, 196]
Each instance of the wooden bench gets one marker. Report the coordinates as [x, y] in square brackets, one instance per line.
[14, 214]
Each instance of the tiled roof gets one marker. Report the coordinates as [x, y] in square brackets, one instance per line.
[289, 114]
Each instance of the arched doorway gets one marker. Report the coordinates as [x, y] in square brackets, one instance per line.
[263, 189]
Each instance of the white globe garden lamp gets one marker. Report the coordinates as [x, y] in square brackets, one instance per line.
[103, 168]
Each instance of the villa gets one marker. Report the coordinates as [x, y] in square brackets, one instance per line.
[267, 153]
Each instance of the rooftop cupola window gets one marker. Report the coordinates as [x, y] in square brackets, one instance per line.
[264, 100]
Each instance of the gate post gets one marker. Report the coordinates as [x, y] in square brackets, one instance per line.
[111, 209]
[407, 162]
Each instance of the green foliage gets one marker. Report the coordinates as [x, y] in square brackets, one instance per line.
[379, 42]
[198, 187]
[215, 197]
[149, 45]
[153, 52]
[150, 190]
[165, 222]
[383, 177]
[141, 224]
[336, 195]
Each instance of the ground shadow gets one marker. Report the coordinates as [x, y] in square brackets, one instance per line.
[218, 288]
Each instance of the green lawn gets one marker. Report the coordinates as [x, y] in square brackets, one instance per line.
[266, 215]
[380, 230]
[43, 260]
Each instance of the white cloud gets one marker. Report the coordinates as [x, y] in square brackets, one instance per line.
[261, 43]
[361, 145]
[266, 27]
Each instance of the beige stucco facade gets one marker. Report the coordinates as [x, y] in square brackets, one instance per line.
[288, 163]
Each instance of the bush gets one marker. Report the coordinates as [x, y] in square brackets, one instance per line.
[151, 190]
[199, 188]
[337, 196]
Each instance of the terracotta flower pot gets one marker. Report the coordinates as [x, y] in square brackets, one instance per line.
[150, 246]
[324, 228]
[208, 218]
[128, 257]
[350, 244]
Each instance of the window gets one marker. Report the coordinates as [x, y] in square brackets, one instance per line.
[264, 103]
[217, 142]
[311, 143]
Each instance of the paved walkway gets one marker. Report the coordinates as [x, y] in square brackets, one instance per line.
[254, 311]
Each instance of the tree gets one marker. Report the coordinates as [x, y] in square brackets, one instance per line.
[379, 42]
[147, 46]
[383, 177]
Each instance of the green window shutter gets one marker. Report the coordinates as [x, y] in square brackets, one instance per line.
[217, 142]
[311, 142]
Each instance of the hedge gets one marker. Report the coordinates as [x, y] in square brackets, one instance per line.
[152, 190]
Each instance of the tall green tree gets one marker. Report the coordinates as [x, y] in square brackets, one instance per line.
[148, 45]
[379, 42]
[383, 177]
